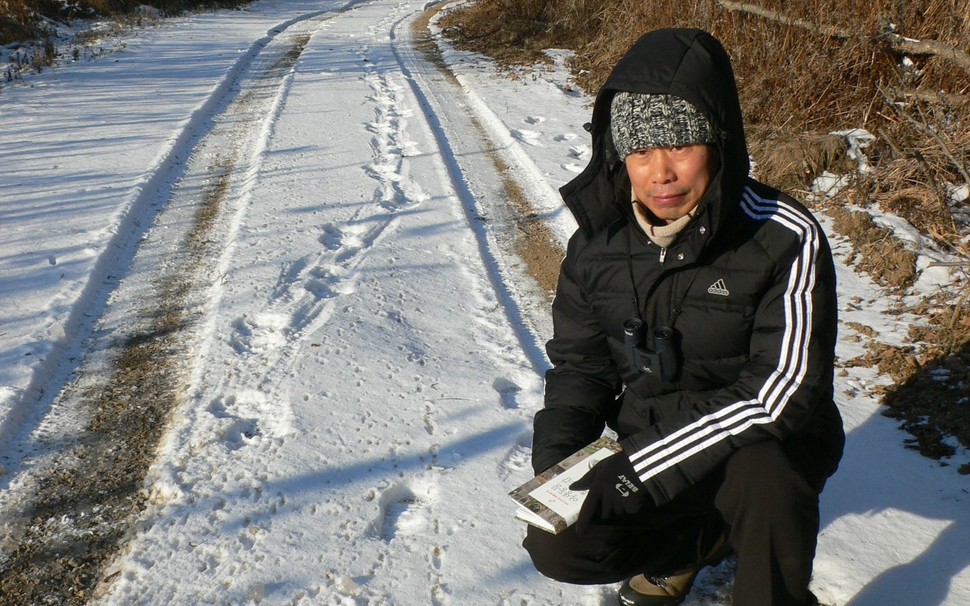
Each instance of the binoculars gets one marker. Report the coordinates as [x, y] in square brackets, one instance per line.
[661, 360]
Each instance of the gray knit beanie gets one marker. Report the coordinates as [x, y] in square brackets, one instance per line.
[639, 121]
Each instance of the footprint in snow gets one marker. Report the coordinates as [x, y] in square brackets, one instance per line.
[235, 431]
[329, 281]
[508, 391]
[535, 120]
[250, 413]
[579, 151]
[261, 332]
[332, 237]
[403, 509]
[518, 457]
[289, 273]
[564, 137]
[529, 137]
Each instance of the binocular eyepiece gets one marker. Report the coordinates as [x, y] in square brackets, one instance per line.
[659, 361]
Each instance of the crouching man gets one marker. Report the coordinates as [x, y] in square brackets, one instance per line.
[696, 317]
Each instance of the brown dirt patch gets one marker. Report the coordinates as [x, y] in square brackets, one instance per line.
[534, 243]
[875, 249]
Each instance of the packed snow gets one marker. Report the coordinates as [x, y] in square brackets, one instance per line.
[368, 358]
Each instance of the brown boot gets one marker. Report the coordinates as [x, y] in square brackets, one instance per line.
[655, 590]
[642, 590]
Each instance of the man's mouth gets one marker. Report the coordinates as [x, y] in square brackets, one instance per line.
[668, 199]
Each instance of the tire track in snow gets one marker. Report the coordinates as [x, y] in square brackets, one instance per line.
[95, 446]
[489, 211]
[465, 162]
[508, 222]
[132, 227]
[492, 212]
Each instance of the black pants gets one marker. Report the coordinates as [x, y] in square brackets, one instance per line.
[765, 498]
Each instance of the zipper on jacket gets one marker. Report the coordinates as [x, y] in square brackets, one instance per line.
[663, 255]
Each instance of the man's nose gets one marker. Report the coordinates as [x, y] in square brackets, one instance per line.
[660, 167]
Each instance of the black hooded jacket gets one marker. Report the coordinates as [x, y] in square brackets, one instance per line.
[748, 289]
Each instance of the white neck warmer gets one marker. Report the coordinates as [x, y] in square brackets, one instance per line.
[662, 235]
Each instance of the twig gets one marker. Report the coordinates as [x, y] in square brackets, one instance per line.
[957, 310]
[930, 47]
[825, 30]
[931, 96]
[946, 150]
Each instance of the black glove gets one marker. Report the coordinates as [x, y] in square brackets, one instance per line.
[614, 489]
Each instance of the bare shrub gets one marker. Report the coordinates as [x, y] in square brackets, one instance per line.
[15, 9]
[18, 19]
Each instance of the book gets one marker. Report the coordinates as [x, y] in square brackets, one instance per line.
[546, 501]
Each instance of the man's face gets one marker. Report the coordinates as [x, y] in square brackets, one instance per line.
[670, 181]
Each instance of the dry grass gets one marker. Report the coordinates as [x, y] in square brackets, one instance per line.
[791, 162]
[804, 70]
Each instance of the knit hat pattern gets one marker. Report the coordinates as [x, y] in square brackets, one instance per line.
[641, 121]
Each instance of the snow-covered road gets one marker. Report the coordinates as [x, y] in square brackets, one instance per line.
[309, 215]
[344, 347]
[359, 378]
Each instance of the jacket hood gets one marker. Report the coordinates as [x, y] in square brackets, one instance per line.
[686, 63]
